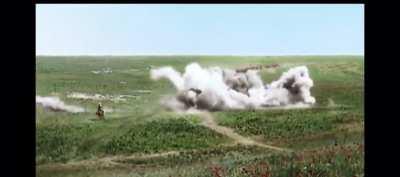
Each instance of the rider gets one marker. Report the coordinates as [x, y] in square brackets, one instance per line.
[100, 111]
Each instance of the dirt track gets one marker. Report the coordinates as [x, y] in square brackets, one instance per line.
[209, 121]
[110, 161]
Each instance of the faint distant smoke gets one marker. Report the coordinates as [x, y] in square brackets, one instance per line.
[215, 88]
[96, 97]
[55, 104]
[102, 71]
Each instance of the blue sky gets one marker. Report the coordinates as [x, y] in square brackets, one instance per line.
[269, 29]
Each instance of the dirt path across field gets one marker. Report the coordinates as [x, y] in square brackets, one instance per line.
[118, 160]
[209, 121]
[106, 162]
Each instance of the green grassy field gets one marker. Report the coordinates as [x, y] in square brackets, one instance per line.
[326, 140]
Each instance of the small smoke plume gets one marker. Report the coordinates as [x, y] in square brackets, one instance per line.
[97, 97]
[215, 88]
[55, 104]
[104, 71]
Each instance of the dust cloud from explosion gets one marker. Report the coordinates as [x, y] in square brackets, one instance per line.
[215, 88]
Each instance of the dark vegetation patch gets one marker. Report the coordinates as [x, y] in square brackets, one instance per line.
[60, 143]
[332, 161]
[163, 135]
[281, 125]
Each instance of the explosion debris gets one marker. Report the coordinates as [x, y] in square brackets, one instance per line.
[215, 88]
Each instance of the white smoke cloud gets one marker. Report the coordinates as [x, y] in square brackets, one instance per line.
[215, 88]
[104, 71]
[170, 74]
[97, 97]
[55, 104]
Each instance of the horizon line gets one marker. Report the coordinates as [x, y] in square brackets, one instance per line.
[117, 55]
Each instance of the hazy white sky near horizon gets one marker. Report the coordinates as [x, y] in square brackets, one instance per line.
[134, 29]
